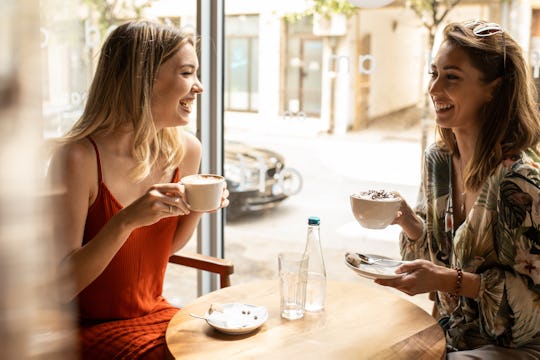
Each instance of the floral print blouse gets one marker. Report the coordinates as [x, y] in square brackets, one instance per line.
[499, 239]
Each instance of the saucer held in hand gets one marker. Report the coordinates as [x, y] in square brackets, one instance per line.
[376, 270]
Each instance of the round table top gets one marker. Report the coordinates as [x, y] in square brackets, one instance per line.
[359, 321]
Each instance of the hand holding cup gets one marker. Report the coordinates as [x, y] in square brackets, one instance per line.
[205, 192]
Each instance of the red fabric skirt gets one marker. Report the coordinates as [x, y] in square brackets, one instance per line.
[137, 338]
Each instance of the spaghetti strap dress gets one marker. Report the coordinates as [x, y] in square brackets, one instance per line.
[122, 314]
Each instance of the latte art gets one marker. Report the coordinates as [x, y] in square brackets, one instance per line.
[375, 195]
[202, 179]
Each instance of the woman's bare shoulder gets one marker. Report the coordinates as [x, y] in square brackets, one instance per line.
[192, 153]
[76, 160]
[75, 153]
[192, 144]
[191, 140]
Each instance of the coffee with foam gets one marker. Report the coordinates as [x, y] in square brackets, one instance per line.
[203, 191]
[375, 195]
[202, 179]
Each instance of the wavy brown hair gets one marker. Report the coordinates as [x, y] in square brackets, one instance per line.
[121, 91]
[510, 121]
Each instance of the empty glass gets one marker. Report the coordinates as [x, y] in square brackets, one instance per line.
[293, 280]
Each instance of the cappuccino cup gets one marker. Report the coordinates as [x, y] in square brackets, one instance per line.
[203, 191]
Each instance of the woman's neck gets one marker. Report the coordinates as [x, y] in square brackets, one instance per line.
[466, 143]
[118, 143]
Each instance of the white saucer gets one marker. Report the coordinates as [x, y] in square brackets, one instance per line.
[237, 318]
[374, 271]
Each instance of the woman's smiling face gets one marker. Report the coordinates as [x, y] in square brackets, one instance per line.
[175, 88]
[456, 88]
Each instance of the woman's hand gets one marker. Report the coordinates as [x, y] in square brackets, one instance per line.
[421, 276]
[160, 201]
[224, 200]
[408, 220]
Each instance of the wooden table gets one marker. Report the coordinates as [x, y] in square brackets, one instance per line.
[359, 322]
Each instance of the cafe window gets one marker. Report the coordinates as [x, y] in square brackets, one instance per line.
[343, 108]
[241, 63]
[68, 45]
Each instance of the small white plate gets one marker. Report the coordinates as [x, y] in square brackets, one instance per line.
[374, 271]
[237, 318]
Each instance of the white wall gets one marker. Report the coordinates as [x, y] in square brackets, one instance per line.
[269, 64]
[399, 58]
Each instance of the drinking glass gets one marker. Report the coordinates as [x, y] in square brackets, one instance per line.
[293, 281]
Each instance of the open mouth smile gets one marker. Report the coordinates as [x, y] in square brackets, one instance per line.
[439, 107]
[186, 105]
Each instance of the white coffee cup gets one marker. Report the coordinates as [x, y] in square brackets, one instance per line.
[203, 191]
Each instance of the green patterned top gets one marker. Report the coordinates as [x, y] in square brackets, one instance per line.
[499, 239]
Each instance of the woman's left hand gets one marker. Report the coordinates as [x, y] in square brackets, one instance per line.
[224, 200]
[419, 276]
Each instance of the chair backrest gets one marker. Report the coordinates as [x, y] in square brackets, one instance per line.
[224, 268]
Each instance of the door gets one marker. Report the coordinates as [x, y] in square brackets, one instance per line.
[303, 76]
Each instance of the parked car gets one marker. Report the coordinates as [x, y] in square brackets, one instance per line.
[257, 179]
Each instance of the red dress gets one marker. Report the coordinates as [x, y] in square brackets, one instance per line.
[122, 312]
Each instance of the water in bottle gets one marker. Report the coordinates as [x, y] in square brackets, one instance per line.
[316, 280]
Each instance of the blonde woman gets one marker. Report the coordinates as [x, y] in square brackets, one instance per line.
[477, 228]
[123, 212]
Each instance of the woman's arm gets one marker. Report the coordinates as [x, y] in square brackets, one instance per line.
[422, 276]
[508, 299]
[412, 239]
[73, 169]
[190, 165]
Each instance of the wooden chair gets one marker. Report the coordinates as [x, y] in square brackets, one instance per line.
[224, 268]
[435, 310]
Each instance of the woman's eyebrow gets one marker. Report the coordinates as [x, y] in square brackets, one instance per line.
[187, 65]
[451, 67]
[447, 67]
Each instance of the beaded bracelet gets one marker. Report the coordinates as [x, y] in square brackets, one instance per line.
[459, 280]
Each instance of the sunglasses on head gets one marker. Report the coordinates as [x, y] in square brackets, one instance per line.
[486, 29]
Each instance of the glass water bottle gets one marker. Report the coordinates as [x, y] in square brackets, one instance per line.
[316, 281]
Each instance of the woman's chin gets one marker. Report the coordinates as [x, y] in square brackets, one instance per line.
[183, 119]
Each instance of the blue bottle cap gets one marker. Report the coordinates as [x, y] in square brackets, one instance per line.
[314, 220]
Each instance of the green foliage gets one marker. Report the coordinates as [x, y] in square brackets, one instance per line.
[325, 8]
[431, 12]
[111, 12]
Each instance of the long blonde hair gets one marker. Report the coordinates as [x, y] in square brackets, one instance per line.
[510, 121]
[121, 91]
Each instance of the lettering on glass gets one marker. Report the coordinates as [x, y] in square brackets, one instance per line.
[339, 64]
[366, 64]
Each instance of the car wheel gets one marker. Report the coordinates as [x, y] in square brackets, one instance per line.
[290, 180]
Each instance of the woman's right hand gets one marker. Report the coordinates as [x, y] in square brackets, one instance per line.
[411, 224]
[160, 201]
